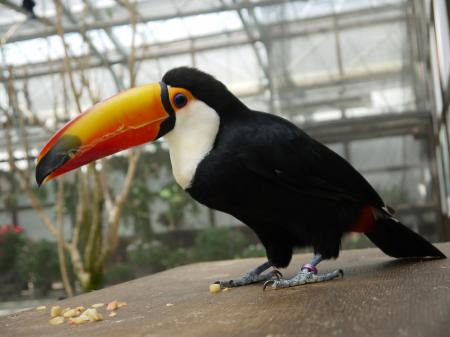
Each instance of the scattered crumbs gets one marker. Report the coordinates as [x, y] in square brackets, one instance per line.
[72, 313]
[41, 307]
[57, 320]
[78, 320]
[81, 315]
[65, 310]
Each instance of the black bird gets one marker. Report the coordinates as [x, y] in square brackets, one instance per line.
[28, 5]
[289, 188]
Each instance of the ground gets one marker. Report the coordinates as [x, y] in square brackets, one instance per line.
[378, 296]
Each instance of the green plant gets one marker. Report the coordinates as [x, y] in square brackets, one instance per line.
[218, 243]
[356, 241]
[119, 272]
[137, 209]
[176, 258]
[38, 262]
[11, 280]
[254, 250]
[177, 201]
[151, 257]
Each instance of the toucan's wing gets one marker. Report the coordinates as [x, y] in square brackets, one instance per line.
[281, 152]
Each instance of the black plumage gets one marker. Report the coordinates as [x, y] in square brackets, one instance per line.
[28, 5]
[289, 188]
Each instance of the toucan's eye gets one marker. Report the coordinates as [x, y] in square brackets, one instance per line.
[180, 100]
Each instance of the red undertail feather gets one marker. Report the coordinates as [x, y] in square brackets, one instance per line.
[365, 222]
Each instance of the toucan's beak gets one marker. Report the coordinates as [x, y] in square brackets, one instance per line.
[130, 118]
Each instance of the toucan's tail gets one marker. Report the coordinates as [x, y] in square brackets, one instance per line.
[397, 240]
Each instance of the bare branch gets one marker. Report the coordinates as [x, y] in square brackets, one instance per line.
[95, 226]
[104, 186]
[60, 241]
[114, 217]
[67, 65]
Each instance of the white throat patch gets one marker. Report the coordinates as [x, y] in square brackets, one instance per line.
[191, 139]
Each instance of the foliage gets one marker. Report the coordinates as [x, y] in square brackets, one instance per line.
[8, 194]
[210, 244]
[11, 281]
[177, 201]
[218, 243]
[23, 261]
[154, 256]
[71, 197]
[38, 262]
[41, 193]
[119, 272]
[177, 257]
[137, 209]
[355, 241]
[254, 250]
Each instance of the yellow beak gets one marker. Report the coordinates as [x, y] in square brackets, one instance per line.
[127, 119]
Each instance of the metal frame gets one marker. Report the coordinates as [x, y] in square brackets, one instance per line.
[283, 30]
[109, 23]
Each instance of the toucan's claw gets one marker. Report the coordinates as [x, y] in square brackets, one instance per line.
[303, 277]
[253, 276]
[267, 283]
[277, 274]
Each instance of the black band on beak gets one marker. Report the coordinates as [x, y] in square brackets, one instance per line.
[169, 123]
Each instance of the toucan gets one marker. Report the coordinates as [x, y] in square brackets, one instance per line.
[290, 189]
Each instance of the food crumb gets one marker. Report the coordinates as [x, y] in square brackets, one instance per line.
[92, 315]
[55, 311]
[41, 307]
[214, 288]
[72, 313]
[98, 305]
[112, 305]
[57, 320]
[65, 310]
[78, 320]
[121, 304]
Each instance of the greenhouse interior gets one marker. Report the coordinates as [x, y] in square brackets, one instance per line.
[368, 78]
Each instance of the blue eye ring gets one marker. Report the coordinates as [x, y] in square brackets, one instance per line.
[180, 100]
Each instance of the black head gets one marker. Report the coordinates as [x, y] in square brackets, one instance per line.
[205, 88]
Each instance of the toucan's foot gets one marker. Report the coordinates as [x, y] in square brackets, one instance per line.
[305, 276]
[249, 278]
